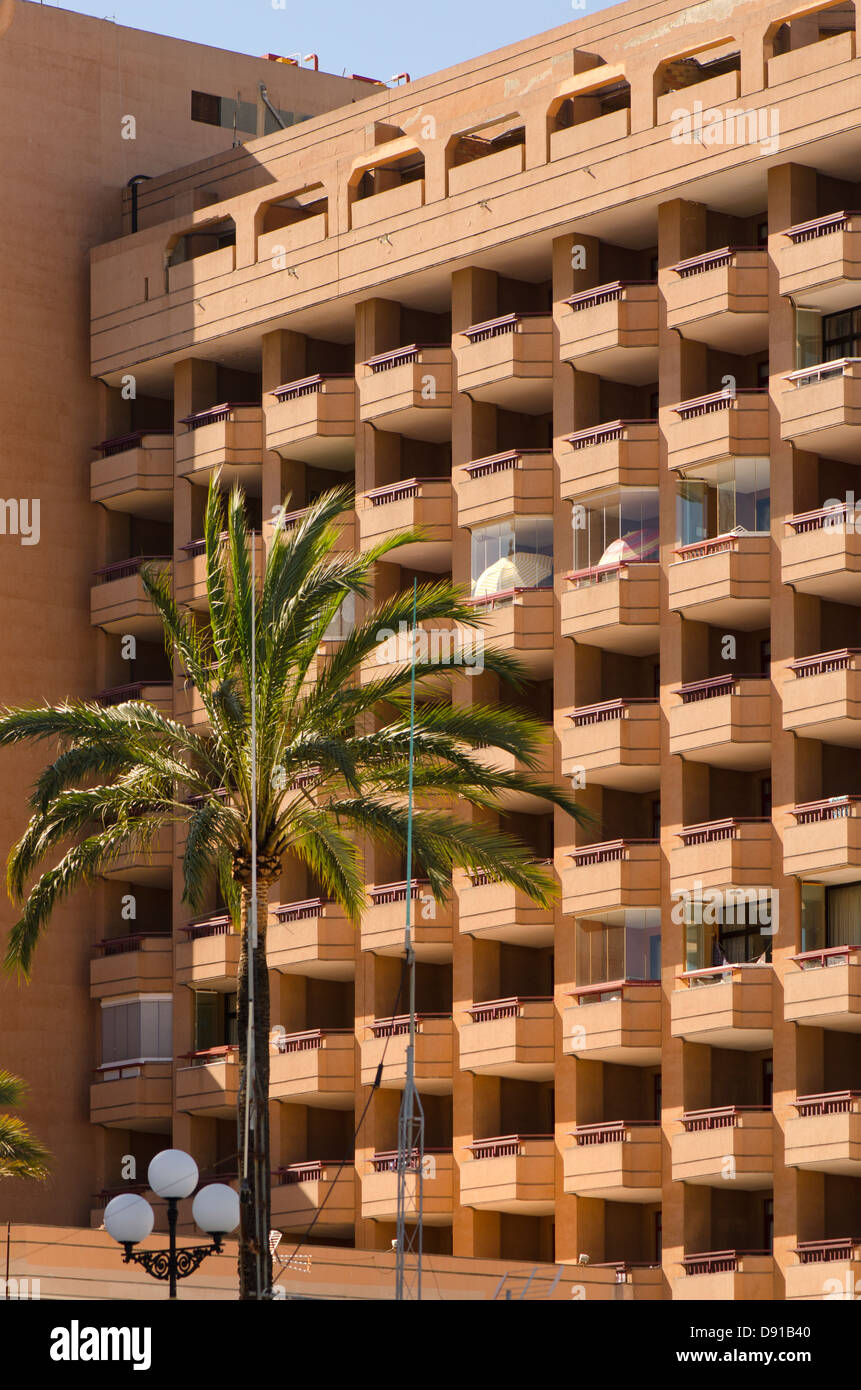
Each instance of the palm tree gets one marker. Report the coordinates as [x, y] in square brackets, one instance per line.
[332, 760]
[21, 1154]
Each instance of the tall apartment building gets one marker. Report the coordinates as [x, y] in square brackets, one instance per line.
[85, 106]
[588, 310]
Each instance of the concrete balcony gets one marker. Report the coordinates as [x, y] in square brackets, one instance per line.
[300, 1190]
[724, 1006]
[821, 554]
[726, 1276]
[825, 841]
[313, 938]
[408, 391]
[724, 721]
[208, 958]
[729, 1143]
[615, 1021]
[380, 1188]
[822, 697]
[509, 1037]
[133, 1095]
[505, 485]
[618, 873]
[190, 586]
[719, 426]
[384, 921]
[822, 989]
[614, 607]
[612, 331]
[118, 602]
[820, 262]
[826, 1269]
[229, 437]
[621, 453]
[513, 1173]
[721, 298]
[491, 911]
[151, 868]
[388, 1041]
[734, 852]
[820, 407]
[316, 1067]
[138, 964]
[616, 743]
[508, 362]
[314, 420]
[520, 621]
[724, 581]
[416, 504]
[159, 694]
[616, 1161]
[207, 1083]
[825, 1133]
[135, 474]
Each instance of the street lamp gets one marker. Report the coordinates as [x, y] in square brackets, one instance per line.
[173, 1175]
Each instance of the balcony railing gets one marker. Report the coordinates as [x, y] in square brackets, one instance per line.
[718, 545]
[124, 569]
[605, 712]
[301, 911]
[226, 1052]
[724, 1117]
[312, 1171]
[823, 371]
[397, 892]
[832, 808]
[505, 1146]
[312, 1040]
[709, 405]
[492, 1009]
[308, 385]
[608, 1132]
[710, 832]
[828, 1103]
[201, 418]
[840, 660]
[820, 226]
[398, 357]
[710, 689]
[817, 1252]
[387, 1161]
[824, 518]
[603, 434]
[606, 991]
[213, 924]
[399, 1024]
[612, 851]
[122, 443]
[504, 597]
[697, 265]
[119, 694]
[123, 945]
[399, 492]
[826, 958]
[496, 328]
[718, 1261]
[499, 463]
[602, 294]
[596, 574]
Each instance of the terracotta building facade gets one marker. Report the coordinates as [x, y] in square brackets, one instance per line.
[588, 311]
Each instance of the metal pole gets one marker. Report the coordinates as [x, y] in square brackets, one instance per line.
[411, 1118]
[251, 1102]
[172, 1205]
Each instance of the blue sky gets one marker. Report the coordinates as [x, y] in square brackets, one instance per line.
[376, 38]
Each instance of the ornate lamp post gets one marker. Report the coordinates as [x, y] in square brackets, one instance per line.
[172, 1174]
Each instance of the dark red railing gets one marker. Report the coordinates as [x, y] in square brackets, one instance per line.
[817, 1252]
[504, 1146]
[696, 265]
[719, 1261]
[212, 924]
[308, 385]
[397, 892]
[606, 433]
[499, 463]
[496, 328]
[385, 361]
[720, 1117]
[301, 911]
[119, 694]
[216, 412]
[717, 400]
[124, 569]
[828, 1103]
[608, 1132]
[121, 443]
[710, 832]
[831, 808]
[611, 851]
[605, 711]
[399, 1024]
[401, 492]
[124, 945]
[492, 1009]
[604, 294]
[694, 691]
[824, 662]
[819, 226]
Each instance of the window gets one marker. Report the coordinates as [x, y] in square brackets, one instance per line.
[138, 1030]
[616, 527]
[731, 496]
[841, 335]
[214, 1019]
[513, 554]
[734, 931]
[223, 111]
[830, 916]
[206, 108]
[625, 947]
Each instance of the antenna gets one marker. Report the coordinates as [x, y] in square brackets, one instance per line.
[411, 1119]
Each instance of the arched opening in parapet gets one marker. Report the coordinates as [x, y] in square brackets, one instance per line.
[201, 241]
[803, 31]
[290, 209]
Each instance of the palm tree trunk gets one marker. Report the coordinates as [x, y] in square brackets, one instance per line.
[255, 1262]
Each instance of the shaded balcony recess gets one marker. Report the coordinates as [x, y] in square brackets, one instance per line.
[308, 386]
[504, 1146]
[828, 1103]
[201, 418]
[497, 328]
[815, 1252]
[720, 1261]
[123, 442]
